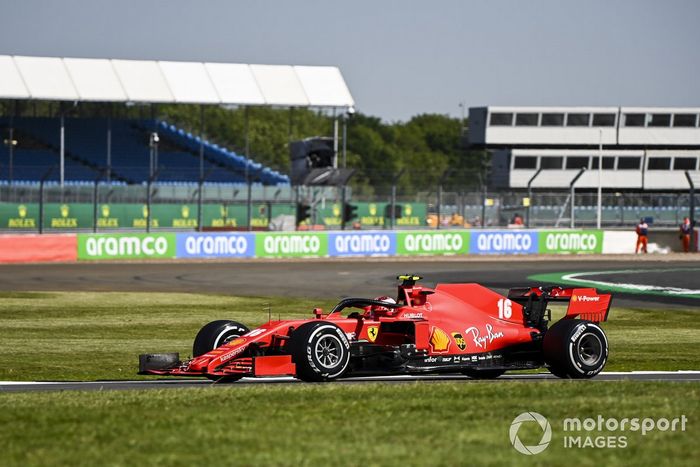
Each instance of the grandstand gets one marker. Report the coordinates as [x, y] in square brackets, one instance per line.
[85, 151]
[123, 150]
[178, 157]
[643, 149]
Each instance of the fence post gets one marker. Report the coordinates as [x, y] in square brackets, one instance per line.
[529, 197]
[573, 194]
[41, 199]
[394, 182]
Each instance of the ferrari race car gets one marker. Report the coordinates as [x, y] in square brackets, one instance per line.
[453, 328]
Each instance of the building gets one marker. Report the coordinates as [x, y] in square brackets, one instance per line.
[644, 149]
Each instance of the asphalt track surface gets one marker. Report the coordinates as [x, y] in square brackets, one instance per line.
[335, 279]
[15, 386]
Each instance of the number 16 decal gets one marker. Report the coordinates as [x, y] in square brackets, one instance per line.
[505, 310]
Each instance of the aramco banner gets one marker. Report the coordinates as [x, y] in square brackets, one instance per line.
[446, 242]
[503, 242]
[126, 246]
[291, 245]
[571, 241]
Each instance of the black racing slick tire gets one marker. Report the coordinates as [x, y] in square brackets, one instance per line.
[483, 374]
[216, 334]
[320, 351]
[575, 349]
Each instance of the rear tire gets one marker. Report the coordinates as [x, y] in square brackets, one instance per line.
[320, 351]
[216, 334]
[483, 374]
[575, 349]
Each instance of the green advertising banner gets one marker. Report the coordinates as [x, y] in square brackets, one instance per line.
[571, 241]
[291, 245]
[19, 215]
[372, 215]
[446, 242]
[126, 246]
[71, 216]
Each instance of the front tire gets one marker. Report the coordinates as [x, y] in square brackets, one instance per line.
[575, 349]
[320, 351]
[216, 334]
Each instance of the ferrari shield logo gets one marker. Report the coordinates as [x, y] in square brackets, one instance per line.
[459, 340]
[372, 333]
[185, 211]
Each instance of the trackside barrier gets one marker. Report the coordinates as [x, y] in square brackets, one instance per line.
[91, 247]
[33, 248]
[126, 246]
[571, 241]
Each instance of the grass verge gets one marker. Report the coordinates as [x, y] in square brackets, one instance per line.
[98, 335]
[342, 424]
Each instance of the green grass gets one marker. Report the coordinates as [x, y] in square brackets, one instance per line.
[340, 424]
[92, 336]
[97, 335]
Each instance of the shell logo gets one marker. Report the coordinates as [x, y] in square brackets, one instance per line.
[65, 210]
[574, 298]
[439, 340]
[185, 211]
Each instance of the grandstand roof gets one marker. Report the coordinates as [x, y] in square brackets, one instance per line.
[153, 81]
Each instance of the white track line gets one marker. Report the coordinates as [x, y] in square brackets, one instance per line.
[361, 378]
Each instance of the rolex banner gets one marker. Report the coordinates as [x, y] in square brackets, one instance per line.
[113, 216]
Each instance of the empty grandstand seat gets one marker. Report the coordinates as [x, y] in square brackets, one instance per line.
[86, 152]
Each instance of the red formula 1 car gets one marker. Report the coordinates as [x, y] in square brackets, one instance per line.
[452, 328]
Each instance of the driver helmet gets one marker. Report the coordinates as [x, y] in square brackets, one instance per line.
[380, 308]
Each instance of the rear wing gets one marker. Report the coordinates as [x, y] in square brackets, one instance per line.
[584, 303]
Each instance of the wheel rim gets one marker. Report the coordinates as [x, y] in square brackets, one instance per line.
[328, 351]
[590, 349]
[224, 338]
[228, 339]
